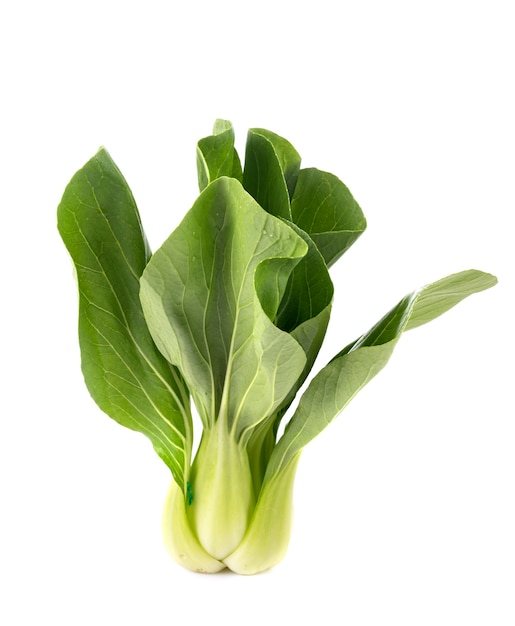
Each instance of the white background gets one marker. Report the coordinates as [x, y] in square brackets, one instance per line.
[405, 508]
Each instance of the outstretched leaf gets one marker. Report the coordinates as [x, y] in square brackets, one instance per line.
[210, 295]
[125, 373]
[350, 370]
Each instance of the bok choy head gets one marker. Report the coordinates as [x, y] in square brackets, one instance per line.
[227, 316]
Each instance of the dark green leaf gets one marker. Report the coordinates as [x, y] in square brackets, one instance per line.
[125, 373]
[304, 312]
[271, 168]
[324, 207]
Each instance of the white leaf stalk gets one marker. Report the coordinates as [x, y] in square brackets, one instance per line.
[220, 524]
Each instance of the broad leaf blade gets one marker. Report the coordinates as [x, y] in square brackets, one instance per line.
[210, 294]
[217, 156]
[324, 207]
[271, 168]
[125, 373]
[350, 370]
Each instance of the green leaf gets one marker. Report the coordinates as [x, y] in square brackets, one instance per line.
[351, 369]
[309, 289]
[324, 207]
[125, 373]
[439, 297]
[305, 308]
[316, 201]
[271, 168]
[210, 295]
[216, 155]
[304, 312]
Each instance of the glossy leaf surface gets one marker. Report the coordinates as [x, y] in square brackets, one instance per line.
[210, 295]
[125, 373]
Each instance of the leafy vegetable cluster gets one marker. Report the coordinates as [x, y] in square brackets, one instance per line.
[230, 312]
